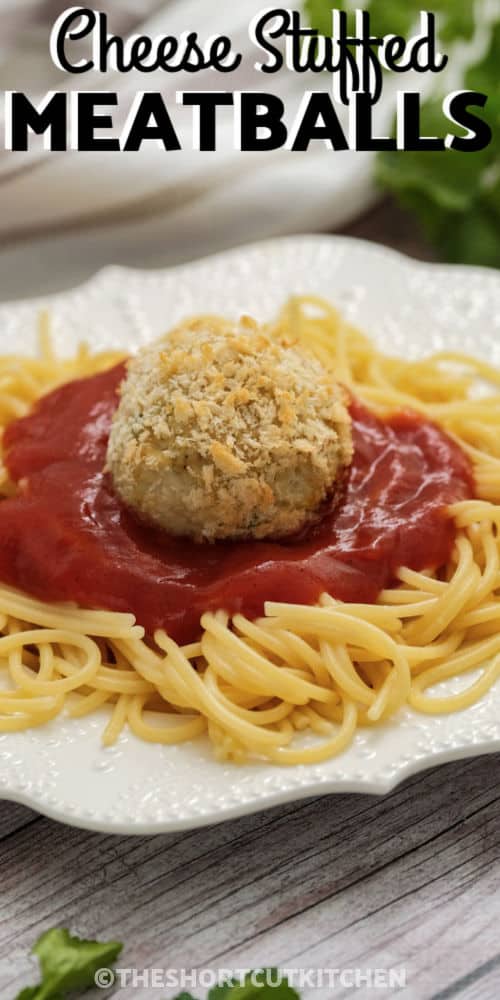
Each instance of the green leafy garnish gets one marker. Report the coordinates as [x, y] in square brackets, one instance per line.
[256, 986]
[259, 985]
[68, 964]
[454, 196]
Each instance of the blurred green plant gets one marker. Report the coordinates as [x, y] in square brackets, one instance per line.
[454, 196]
[68, 964]
[260, 985]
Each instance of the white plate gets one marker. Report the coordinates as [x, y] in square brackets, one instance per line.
[408, 308]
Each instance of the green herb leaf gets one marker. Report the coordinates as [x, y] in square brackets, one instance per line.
[256, 986]
[33, 993]
[455, 196]
[68, 964]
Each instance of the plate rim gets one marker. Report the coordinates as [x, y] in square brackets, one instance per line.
[370, 246]
[315, 787]
[315, 790]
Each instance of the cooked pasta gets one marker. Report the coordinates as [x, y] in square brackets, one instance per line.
[255, 687]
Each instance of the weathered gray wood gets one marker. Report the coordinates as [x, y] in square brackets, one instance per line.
[343, 882]
[14, 817]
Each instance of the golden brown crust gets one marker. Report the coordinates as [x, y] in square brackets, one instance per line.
[224, 432]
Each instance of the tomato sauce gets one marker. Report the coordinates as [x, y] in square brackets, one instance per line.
[66, 536]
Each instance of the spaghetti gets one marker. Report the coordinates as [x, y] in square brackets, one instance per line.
[253, 685]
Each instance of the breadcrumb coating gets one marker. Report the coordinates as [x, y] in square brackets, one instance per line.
[226, 432]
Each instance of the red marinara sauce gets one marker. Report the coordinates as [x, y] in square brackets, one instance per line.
[66, 536]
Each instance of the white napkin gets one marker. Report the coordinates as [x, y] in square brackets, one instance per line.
[154, 206]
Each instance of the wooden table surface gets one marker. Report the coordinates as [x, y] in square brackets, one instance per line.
[410, 881]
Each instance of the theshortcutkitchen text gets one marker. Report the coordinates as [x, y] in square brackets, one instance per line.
[355, 66]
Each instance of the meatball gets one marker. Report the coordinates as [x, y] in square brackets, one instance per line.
[225, 432]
